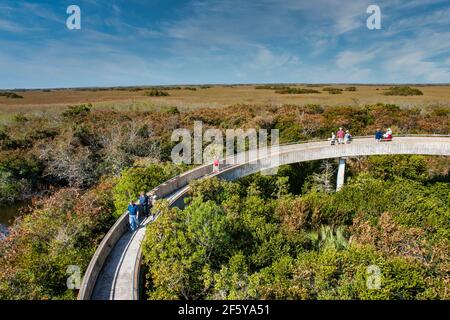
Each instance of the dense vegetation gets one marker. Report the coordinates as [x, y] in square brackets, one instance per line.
[85, 163]
[254, 239]
[61, 231]
[64, 230]
[78, 147]
[402, 91]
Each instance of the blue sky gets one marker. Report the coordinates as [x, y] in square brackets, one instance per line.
[138, 42]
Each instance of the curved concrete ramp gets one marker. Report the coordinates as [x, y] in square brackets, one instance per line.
[112, 271]
[113, 283]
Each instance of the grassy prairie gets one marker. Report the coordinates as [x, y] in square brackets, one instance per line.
[215, 97]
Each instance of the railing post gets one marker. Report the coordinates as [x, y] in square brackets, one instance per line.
[340, 174]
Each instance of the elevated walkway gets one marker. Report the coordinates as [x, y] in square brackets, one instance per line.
[113, 273]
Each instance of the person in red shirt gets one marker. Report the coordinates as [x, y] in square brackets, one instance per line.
[215, 165]
[340, 135]
[388, 135]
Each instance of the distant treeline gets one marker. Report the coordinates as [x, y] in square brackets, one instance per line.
[296, 91]
[332, 90]
[10, 95]
[157, 93]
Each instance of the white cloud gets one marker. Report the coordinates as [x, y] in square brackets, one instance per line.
[39, 10]
[439, 17]
[415, 65]
[265, 58]
[347, 59]
[10, 26]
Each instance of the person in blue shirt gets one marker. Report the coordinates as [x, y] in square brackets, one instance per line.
[143, 202]
[378, 135]
[132, 214]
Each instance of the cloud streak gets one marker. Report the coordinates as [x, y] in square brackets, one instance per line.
[199, 41]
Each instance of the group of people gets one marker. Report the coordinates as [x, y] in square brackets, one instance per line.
[341, 137]
[140, 209]
[383, 136]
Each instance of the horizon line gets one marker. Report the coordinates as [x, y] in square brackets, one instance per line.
[230, 84]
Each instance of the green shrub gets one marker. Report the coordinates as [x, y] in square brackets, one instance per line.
[44, 134]
[332, 90]
[77, 111]
[441, 111]
[19, 173]
[20, 118]
[402, 91]
[391, 107]
[181, 253]
[3, 133]
[296, 91]
[172, 110]
[271, 87]
[212, 190]
[13, 189]
[329, 238]
[157, 93]
[62, 231]
[388, 167]
[332, 274]
[314, 109]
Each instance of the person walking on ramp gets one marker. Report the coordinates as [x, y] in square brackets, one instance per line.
[132, 212]
[143, 201]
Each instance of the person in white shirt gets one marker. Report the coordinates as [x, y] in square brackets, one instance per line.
[347, 137]
[333, 139]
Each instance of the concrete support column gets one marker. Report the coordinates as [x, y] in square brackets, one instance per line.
[340, 174]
